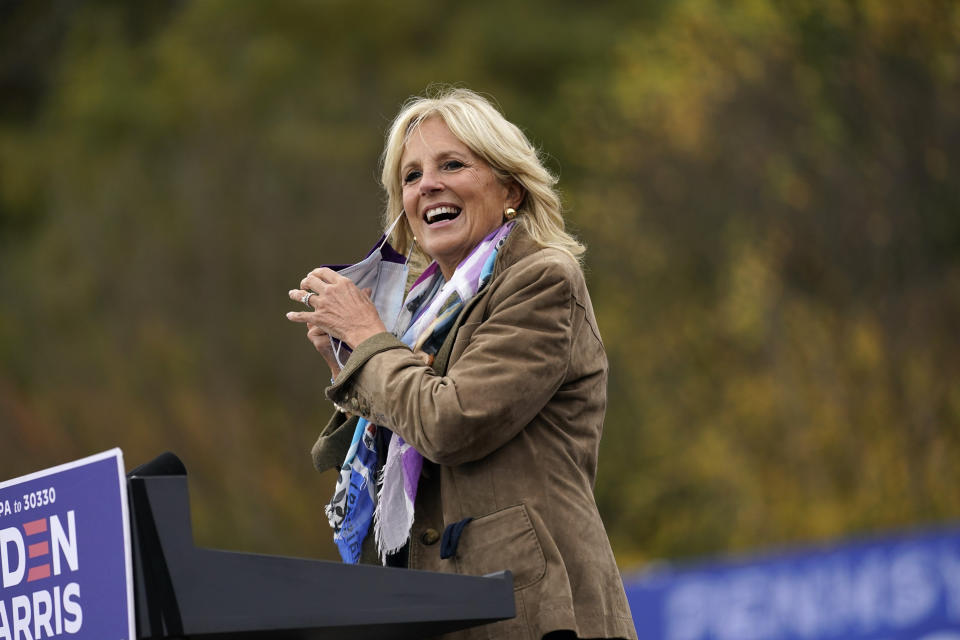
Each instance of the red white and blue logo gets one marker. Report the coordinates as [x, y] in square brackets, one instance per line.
[65, 567]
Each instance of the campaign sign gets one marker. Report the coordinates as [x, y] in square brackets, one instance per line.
[900, 588]
[65, 553]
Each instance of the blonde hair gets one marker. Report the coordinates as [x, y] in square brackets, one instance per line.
[490, 136]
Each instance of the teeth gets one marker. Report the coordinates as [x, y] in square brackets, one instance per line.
[439, 211]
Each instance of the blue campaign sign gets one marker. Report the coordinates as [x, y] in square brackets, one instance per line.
[65, 553]
[899, 588]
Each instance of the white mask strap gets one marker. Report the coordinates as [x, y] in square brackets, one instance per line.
[393, 225]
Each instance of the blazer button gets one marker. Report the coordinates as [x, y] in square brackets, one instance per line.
[430, 536]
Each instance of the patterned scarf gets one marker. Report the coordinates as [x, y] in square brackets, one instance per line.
[355, 501]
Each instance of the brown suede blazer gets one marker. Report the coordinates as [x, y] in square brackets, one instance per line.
[509, 416]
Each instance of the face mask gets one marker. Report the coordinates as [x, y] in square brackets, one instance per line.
[384, 272]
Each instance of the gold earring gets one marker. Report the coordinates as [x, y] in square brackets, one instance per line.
[510, 213]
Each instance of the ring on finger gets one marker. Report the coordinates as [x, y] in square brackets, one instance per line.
[306, 298]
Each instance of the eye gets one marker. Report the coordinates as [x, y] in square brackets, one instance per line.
[411, 177]
[453, 165]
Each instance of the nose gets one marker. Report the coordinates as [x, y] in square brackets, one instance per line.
[430, 182]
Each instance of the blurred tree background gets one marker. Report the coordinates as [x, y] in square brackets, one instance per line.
[768, 190]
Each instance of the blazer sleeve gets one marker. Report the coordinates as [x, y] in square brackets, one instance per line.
[514, 362]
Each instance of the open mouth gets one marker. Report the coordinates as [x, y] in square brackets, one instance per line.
[441, 213]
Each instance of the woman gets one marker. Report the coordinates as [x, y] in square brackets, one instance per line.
[493, 384]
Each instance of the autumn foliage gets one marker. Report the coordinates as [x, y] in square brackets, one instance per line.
[768, 191]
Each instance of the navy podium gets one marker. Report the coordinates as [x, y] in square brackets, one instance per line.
[182, 591]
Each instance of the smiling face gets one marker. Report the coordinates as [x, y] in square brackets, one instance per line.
[451, 197]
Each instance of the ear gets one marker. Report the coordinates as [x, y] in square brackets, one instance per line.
[515, 195]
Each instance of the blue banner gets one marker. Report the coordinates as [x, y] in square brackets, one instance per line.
[65, 567]
[902, 588]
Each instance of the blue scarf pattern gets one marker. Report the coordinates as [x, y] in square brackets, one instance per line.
[354, 505]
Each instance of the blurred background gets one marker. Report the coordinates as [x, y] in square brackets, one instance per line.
[768, 191]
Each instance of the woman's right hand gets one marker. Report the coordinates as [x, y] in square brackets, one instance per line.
[320, 340]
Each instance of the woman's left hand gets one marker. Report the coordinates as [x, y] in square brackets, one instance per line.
[339, 307]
